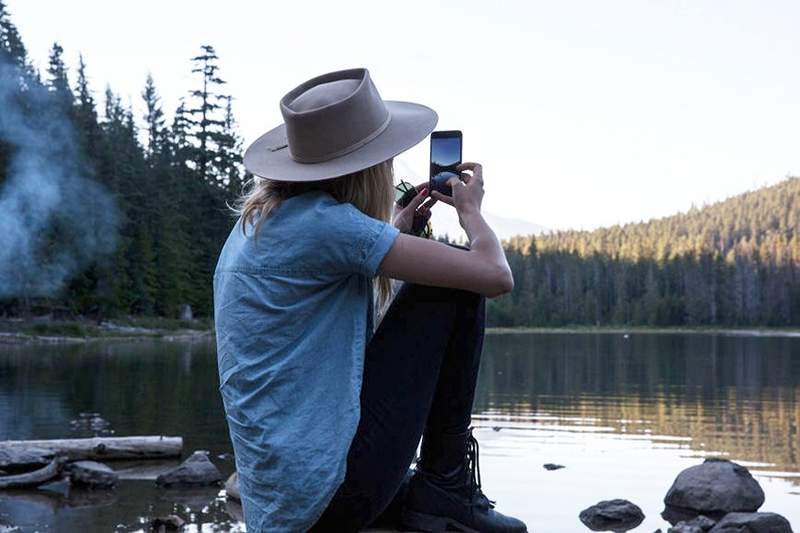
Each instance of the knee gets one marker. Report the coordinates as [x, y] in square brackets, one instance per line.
[443, 294]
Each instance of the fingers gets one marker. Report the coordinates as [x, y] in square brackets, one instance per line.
[425, 209]
[452, 182]
[475, 168]
[418, 199]
[468, 165]
[429, 203]
[443, 198]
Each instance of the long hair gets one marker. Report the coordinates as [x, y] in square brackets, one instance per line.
[370, 190]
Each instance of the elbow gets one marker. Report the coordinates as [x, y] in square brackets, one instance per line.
[503, 283]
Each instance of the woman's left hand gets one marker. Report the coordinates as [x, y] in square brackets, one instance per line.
[403, 218]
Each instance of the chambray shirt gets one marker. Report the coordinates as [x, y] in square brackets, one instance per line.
[293, 312]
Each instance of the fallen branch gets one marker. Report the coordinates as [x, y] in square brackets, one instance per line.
[35, 478]
[104, 448]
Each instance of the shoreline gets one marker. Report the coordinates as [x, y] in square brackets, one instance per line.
[8, 338]
[650, 330]
[19, 331]
[43, 330]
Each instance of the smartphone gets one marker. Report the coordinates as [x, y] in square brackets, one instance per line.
[445, 157]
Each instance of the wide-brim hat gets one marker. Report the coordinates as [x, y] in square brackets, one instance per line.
[336, 124]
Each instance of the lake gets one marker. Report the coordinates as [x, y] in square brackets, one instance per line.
[623, 414]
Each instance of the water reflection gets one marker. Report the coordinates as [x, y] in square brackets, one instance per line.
[737, 395]
[624, 415]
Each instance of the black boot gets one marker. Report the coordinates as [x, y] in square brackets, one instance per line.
[445, 491]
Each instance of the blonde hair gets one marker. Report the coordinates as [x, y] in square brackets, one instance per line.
[370, 190]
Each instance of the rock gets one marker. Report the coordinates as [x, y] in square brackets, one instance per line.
[196, 470]
[14, 460]
[752, 523]
[185, 312]
[232, 487]
[717, 485]
[673, 515]
[92, 474]
[167, 523]
[552, 466]
[684, 527]
[612, 515]
[699, 524]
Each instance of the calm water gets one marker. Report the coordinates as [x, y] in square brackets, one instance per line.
[623, 415]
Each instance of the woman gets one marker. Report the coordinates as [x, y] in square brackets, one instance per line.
[325, 412]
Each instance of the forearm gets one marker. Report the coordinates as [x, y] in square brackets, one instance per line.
[482, 239]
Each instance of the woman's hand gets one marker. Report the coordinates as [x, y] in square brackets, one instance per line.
[403, 218]
[483, 268]
[467, 191]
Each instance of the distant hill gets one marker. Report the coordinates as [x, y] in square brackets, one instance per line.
[733, 262]
[445, 222]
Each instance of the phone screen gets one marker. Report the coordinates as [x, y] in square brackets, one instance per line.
[445, 157]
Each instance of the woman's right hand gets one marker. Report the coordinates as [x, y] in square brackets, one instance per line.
[481, 268]
[467, 191]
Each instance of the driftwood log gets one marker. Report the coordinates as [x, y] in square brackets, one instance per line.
[35, 478]
[102, 448]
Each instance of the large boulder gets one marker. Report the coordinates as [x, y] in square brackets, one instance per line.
[752, 523]
[232, 487]
[699, 524]
[612, 515]
[196, 470]
[91, 474]
[716, 486]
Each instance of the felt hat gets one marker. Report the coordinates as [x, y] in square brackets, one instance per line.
[335, 124]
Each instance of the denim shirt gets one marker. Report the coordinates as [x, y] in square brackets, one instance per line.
[292, 311]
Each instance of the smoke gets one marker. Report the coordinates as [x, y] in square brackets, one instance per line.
[54, 219]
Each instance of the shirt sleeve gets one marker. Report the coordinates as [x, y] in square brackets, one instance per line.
[362, 241]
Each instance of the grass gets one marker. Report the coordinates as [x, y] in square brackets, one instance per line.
[82, 328]
[57, 329]
[168, 324]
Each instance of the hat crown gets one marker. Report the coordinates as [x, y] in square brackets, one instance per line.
[332, 115]
[323, 94]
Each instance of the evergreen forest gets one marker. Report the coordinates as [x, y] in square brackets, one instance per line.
[108, 214]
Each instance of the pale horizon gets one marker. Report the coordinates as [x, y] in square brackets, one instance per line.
[583, 115]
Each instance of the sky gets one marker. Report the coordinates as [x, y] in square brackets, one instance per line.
[582, 113]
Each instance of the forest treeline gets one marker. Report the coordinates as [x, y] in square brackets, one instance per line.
[170, 190]
[736, 262]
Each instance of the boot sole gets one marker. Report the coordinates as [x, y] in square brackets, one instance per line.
[431, 523]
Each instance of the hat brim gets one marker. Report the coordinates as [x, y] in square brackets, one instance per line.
[410, 124]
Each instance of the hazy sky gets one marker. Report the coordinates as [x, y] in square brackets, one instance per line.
[582, 113]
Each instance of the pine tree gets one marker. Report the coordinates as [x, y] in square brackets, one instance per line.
[12, 49]
[229, 154]
[209, 104]
[58, 81]
[154, 118]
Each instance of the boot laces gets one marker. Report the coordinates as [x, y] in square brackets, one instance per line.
[475, 471]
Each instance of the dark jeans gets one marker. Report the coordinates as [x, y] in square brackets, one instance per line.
[420, 370]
